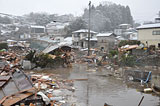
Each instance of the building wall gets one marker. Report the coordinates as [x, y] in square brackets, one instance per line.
[93, 44]
[83, 35]
[118, 31]
[78, 39]
[56, 32]
[37, 30]
[133, 36]
[106, 42]
[147, 35]
[50, 31]
[80, 36]
[75, 37]
[122, 28]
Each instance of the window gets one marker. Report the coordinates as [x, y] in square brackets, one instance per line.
[158, 45]
[157, 32]
[102, 48]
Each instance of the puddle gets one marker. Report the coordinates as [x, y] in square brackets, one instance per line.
[102, 88]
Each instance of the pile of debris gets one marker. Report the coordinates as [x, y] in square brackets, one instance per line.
[55, 58]
[19, 88]
[14, 84]
[53, 89]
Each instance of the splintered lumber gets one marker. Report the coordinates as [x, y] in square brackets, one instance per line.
[11, 100]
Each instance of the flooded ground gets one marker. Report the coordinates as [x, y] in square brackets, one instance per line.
[101, 88]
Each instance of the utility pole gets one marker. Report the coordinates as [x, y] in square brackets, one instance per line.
[88, 52]
[89, 28]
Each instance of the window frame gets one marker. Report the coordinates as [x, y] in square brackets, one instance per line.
[156, 32]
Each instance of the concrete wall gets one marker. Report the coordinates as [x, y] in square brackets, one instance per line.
[93, 44]
[106, 42]
[56, 32]
[146, 35]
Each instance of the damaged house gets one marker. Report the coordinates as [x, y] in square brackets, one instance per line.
[80, 38]
[63, 45]
[106, 41]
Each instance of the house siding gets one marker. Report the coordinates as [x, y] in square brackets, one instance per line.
[146, 35]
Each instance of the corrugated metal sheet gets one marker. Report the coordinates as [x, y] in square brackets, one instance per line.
[2, 83]
[3, 80]
[14, 83]
[1, 94]
[2, 64]
[10, 88]
[21, 81]
[51, 48]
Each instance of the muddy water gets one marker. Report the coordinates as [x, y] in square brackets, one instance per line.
[100, 88]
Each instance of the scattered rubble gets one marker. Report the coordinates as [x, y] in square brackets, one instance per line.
[53, 89]
[14, 82]
[57, 57]
[17, 87]
[50, 89]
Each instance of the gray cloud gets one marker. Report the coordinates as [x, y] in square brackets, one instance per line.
[141, 9]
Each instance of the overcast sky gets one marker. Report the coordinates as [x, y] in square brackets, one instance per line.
[141, 10]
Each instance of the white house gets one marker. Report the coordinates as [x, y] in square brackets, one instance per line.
[55, 29]
[37, 31]
[122, 28]
[79, 37]
[131, 35]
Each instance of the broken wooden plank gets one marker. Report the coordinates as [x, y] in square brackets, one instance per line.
[14, 99]
[14, 96]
